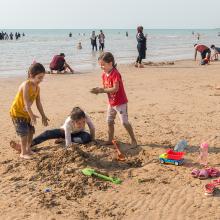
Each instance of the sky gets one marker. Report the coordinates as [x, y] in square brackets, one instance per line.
[127, 14]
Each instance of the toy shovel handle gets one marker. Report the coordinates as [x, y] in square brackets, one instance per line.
[116, 147]
[104, 177]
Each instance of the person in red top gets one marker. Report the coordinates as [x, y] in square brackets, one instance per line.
[113, 86]
[59, 63]
[204, 50]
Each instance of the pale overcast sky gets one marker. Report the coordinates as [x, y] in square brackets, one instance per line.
[76, 14]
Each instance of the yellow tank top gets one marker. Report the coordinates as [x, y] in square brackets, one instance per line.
[17, 109]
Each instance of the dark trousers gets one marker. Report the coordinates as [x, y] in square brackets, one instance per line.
[81, 137]
[101, 46]
[205, 53]
[94, 46]
[139, 59]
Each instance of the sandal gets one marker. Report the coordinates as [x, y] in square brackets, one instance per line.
[195, 173]
[216, 182]
[210, 187]
[213, 172]
[203, 174]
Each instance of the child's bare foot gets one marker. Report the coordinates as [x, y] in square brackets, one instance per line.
[26, 156]
[59, 141]
[134, 143]
[15, 146]
[107, 143]
[136, 65]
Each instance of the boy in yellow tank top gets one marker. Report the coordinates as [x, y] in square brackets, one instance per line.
[21, 113]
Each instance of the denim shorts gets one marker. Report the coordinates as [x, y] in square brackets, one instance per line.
[23, 126]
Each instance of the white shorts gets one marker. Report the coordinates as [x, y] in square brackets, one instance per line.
[122, 111]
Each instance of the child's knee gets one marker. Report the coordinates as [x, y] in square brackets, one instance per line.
[82, 138]
[86, 138]
[125, 124]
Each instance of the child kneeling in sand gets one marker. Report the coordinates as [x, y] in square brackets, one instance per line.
[113, 86]
[21, 113]
[72, 130]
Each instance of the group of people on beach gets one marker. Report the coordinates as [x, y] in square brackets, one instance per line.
[73, 129]
[206, 53]
[101, 38]
[11, 36]
[60, 65]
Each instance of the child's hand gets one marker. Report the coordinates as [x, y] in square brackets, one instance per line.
[97, 90]
[45, 120]
[34, 119]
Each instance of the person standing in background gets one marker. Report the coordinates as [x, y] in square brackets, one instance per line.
[101, 40]
[141, 47]
[93, 41]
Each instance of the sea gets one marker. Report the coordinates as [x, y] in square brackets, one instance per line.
[41, 45]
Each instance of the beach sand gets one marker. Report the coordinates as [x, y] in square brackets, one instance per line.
[167, 103]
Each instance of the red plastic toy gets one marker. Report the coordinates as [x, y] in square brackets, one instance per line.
[173, 155]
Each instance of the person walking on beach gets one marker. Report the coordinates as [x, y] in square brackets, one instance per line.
[113, 86]
[204, 51]
[59, 64]
[21, 113]
[93, 39]
[101, 40]
[216, 52]
[141, 47]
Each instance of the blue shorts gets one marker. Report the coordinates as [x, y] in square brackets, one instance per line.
[23, 126]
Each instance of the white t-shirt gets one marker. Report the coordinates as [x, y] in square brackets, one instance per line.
[69, 128]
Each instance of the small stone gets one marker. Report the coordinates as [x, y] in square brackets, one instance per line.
[90, 180]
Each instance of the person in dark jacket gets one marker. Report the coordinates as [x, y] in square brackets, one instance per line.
[141, 47]
[93, 39]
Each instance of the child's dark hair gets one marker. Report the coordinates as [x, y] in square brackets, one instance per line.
[107, 57]
[77, 113]
[35, 69]
[212, 46]
[140, 29]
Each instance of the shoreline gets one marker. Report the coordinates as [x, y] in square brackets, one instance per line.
[94, 69]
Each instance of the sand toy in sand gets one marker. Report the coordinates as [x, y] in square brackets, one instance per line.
[172, 157]
[91, 172]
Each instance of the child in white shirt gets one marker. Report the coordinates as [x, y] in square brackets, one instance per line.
[73, 130]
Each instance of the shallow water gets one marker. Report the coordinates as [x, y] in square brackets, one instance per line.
[42, 45]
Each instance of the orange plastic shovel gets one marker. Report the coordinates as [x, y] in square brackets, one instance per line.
[120, 156]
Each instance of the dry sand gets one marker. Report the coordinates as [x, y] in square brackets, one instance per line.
[166, 103]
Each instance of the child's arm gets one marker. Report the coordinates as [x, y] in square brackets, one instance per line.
[28, 104]
[40, 109]
[68, 66]
[113, 89]
[67, 130]
[91, 127]
[195, 54]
